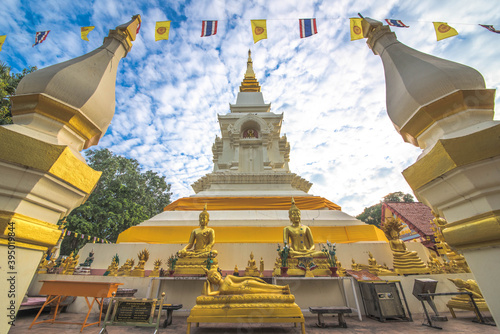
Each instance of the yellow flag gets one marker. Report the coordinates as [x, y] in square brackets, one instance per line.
[162, 30]
[2, 40]
[259, 30]
[85, 31]
[356, 28]
[443, 30]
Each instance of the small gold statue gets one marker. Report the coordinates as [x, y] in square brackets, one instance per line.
[192, 259]
[42, 266]
[405, 262]
[444, 249]
[377, 269]
[69, 264]
[156, 269]
[126, 268]
[139, 269]
[463, 302]
[340, 270]
[251, 269]
[261, 267]
[233, 285]
[236, 271]
[113, 267]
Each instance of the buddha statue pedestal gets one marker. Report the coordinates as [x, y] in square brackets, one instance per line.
[246, 308]
[193, 265]
[321, 267]
[409, 263]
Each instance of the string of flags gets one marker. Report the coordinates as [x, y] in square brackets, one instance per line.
[307, 28]
[67, 233]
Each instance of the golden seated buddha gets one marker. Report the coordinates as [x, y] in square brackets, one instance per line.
[299, 237]
[201, 240]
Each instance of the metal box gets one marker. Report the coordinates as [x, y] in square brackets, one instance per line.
[382, 300]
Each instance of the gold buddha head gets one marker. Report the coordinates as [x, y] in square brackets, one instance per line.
[204, 217]
[213, 276]
[294, 213]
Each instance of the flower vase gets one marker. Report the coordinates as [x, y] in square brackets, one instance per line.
[333, 272]
[171, 272]
[284, 272]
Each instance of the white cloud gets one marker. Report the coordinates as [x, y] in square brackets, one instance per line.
[331, 90]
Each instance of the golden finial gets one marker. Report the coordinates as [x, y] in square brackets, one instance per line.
[250, 83]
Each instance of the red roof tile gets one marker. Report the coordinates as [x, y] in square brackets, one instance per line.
[417, 214]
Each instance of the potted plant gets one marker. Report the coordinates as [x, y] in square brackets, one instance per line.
[330, 254]
[172, 260]
[283, 253]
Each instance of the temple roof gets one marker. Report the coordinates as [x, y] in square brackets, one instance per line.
[416, 215]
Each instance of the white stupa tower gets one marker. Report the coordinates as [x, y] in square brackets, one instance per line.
[249, 192]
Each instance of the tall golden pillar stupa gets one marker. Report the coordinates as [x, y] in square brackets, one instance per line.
[445, 108]
[57, 112]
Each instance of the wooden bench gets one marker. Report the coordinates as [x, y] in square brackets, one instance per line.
[170, 308]
[339, 310]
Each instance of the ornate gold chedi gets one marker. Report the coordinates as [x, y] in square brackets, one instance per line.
[243, 300]
[251, 269]
[194, 256]
[300, 240]
[139, 269]
[463, 302]
[404, 261]
[250, 83]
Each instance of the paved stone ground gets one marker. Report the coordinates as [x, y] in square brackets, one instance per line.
[462, 324]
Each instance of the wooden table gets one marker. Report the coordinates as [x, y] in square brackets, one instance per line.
[59, 290]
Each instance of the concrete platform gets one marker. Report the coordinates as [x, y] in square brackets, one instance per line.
[462, 324]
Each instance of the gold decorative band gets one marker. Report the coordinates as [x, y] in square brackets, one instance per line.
[449, 154]
[476, 232]
[249, 234]
[27, 230]
[54, 159]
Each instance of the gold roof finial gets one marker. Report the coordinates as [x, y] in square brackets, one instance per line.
[250, 83]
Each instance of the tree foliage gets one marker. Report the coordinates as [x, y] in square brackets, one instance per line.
[8, 85]
[123, 197]
[372, 215]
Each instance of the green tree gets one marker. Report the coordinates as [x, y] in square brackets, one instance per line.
[8, 85]
[124, 197]
[372, 215]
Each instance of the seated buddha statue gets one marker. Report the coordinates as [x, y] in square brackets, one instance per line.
[235, 285]
[299, 237]
[201, 240]
[405, 261]
[251, 269]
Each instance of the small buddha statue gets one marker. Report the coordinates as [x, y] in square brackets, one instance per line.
[405, 262]
[261, 267]
[139, 269]
[236, 272]
[201, 240]
[113, 267]
[299, 236]
[463, 301]
[251, 269]
[88, 261]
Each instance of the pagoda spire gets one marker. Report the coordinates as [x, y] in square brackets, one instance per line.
[250, 83]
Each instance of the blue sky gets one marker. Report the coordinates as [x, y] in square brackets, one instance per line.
[331, 90]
